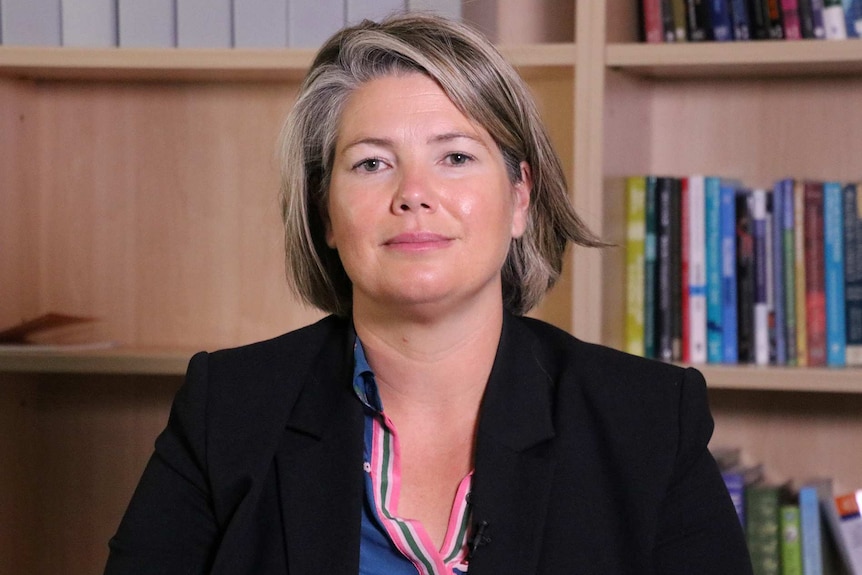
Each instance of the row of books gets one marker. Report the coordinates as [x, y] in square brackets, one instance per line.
[718, 272]
[193, 23]
[727, 20]
[794, 528]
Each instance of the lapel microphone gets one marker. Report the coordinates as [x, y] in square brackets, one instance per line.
[480, 537]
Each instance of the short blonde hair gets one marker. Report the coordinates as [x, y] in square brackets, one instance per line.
[483, 86]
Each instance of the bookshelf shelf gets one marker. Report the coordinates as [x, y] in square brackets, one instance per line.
[802, 58]
[117, 361]
[809, 380]
[172, 64]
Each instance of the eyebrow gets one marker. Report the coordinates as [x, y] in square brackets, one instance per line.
[437, 138]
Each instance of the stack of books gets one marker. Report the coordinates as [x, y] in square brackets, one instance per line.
[729, 20]
[717, 272]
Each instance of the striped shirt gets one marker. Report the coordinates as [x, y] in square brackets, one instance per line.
[391, 544]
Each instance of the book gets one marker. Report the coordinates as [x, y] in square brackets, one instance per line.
[310, 24]
[204, 24]
[760, 304]
[698, 22]
[758, 19]
[652, 26]
[697, 312]
[684, 255]
[31, 22]
[815, 288]
[448, 8]
[799, 268]
[853, 17]
[817, 16]
[89, 23]
[679, 19]
[774, 20]
[720, 20]
[790, 19]
[664, 231]
[739, 19]
[737, 478]
[819, 555]
[376, 10]
[806, 18]
[834, 21]
[745, 280]
[833, 250]
[787, 288]
[853, 273]
[667, 21]
[712, 218]
[651, 267]
[790, 542]
[729, 338]
[260, 23]
[777, 290]
[762, 531]
[849, 528]
[635, 239]
[147, 24]
[678, 189]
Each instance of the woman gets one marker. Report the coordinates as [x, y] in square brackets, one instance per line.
[425, 426]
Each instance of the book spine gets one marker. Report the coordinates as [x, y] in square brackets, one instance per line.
[697, 270]
[31, 22]
[309, 24]
[720, 20]
[853, 18]
[653, 26]
[790, 542]
[714, 323]
[667, 25]
[788, 246]
[260, 24]
[806, 19]
[635, 237]
[204, 24]
[739, 15]
[849, 511]
[745, 283]
[758, 19]
[817, 18]
[799, 266]
[834, 21]
[776, 243]
[833, 249]
[775, 22]
[729, 340]
[762, 529]
[760, 305]
[815, 289]
[651, 268]
[790, 19]
[853, 272]
[664, 321]
[150, 24]
[676, 277]
[684, 283]
[90, 23]
[811, 532]
[697, 20]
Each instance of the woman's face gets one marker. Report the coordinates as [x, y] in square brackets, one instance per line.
[421, 209]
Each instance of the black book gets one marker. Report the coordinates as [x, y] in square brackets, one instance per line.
[745, 277]
[664, 309]
[758, 19]
[806, 18]
[676, 279]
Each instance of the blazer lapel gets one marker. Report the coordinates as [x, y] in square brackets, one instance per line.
[514, 459]
[319, 467]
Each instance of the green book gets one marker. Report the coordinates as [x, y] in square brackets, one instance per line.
[791, 540]
[762, 531]
[635, 236]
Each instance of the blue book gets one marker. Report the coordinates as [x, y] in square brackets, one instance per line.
[727, 214]
[812, 530]
[778, 286]
[720, 20]
[817, 19]
[853, 17]
[833, 238]
[739, 19]
[714, 322]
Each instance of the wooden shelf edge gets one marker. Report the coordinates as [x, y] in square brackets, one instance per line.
[239, 64]
[118, 361]
[799, 379]
[712, 59]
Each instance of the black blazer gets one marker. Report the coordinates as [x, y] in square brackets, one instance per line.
[588, 461]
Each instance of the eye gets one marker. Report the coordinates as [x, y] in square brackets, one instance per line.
[368, 165]
[458, 158]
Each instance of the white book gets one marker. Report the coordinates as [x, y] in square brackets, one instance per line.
[835, 22]
[697, 268]
[204, 24]
[359, 10]
[260, 23]
[310, 24]
[30, 22]
[761, 305]
[147, 23]
[448, 8]
[89, 23]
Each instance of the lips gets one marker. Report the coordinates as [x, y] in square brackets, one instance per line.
[418, 240]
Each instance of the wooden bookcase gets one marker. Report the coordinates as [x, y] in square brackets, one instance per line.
[139, 187]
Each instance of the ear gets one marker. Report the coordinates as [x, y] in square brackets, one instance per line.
[521, 191]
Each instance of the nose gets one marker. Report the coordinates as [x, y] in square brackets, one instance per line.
[415, 192]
